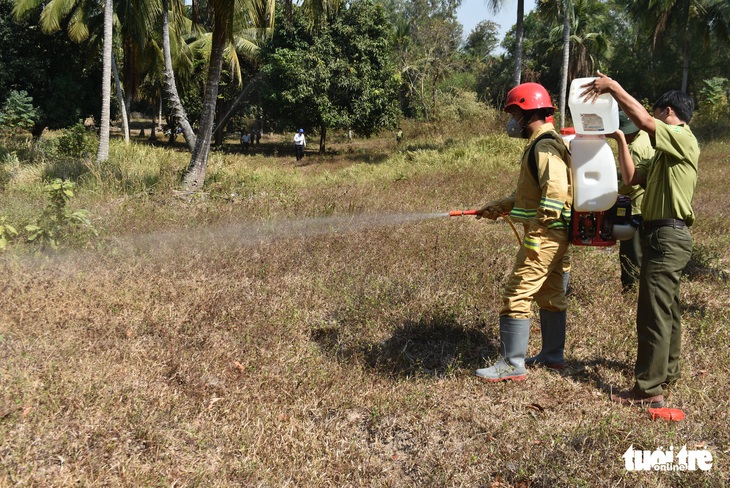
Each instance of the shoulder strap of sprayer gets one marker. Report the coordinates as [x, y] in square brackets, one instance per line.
[532, 158]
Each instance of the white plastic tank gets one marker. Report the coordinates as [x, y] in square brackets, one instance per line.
[589, 118]
[595, 186]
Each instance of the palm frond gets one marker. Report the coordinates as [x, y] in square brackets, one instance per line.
[78, 29]
[24, 7]
[53, 13]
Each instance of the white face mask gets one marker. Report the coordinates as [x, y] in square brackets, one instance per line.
[514, 128]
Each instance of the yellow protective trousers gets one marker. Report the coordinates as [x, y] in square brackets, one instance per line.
[540, 280]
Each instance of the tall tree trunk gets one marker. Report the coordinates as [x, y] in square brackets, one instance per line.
[159, 113]
[322, 139]
[120, 97]
[106, 82]
[519, 29]
[685, 56]
[566, 61]
[288, 10]
[219, 131]
[231, 110]
[195, 176]
[180, 117]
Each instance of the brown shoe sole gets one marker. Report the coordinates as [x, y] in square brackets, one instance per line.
[629, 398]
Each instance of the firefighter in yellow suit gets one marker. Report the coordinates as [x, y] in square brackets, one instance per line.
[542, 202]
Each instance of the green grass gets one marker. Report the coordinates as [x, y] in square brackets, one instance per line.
[306, 325]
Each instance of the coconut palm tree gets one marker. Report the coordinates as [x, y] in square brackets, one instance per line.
[229, 16]
[80, 16]
[583, 35]
[686, 20]
[135, 23]
[561, 11]
[495, 6]
[106, 82]
[180, 116]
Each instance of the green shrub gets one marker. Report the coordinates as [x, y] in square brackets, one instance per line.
[56, 219]
[18, 113]
[712, 118]
[7, 233]
[77, 142]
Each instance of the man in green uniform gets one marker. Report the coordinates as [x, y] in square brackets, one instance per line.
[641, 152]
[669, 179]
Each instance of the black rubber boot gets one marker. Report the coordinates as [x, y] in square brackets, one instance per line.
[552, 329]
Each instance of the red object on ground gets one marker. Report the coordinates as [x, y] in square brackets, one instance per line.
[673, 414]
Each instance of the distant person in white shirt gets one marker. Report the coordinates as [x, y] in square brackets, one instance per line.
[299, 144]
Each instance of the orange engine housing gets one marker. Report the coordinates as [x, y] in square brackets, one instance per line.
[596, 228]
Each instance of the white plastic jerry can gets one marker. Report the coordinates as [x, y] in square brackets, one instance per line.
[595, 184]
[591, 118]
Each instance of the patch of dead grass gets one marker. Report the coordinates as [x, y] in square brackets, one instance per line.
[285, 341]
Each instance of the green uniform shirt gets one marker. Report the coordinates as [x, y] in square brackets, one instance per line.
[671, 176]
[641, 152]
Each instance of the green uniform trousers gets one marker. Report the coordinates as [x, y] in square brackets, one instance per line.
[666, 251]
[629, 256]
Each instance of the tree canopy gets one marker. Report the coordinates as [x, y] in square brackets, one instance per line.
[339, 78]
[63, 78]
[358, 65]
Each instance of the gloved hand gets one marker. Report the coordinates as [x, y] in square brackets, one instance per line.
[489, 211]
[495, 209]
[531, 242]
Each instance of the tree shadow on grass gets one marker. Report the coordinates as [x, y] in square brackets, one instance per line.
[366, 157]
[434, 346]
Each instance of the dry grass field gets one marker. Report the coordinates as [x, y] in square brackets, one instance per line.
[319, 325]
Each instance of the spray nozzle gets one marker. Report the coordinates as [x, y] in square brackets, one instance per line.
[459, 213]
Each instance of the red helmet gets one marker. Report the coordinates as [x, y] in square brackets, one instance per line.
[528, 96]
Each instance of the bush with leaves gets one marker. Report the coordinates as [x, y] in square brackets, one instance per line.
[56, 219]
[712, 118]
[7, 233]
[76, 142]
[18, 112]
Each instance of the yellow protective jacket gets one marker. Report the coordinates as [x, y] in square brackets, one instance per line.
[544, 204]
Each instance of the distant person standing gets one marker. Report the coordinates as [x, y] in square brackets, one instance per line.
[299, 144]
[642, 153]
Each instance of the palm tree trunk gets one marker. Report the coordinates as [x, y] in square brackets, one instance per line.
[519, 30]
[106, 82]
[231, 110]
[120, 97]
[566, 62]
[195, 176]
[322, 139]
[159, 113]
[178, 111]
[685, 56]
